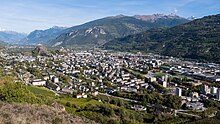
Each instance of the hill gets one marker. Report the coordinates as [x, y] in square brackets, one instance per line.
[98, 32]
[198, 39]
[42, 36]
[37, 114]
[40, 50]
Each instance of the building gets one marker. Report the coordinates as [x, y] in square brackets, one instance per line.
[81, 95]
[55, 79]
[165, 78]
[178, 91]
[53, 87]
[194, 95]
[195, 106]
[205, 89]
[150, 78]
[218, 94]
[164, 84]
[196, 83]
[213, 90]
[38, 82]
[94, 93]
[46, 77]
[139, 108]
[67, 90]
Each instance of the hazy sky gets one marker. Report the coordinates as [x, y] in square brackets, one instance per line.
[28, 15]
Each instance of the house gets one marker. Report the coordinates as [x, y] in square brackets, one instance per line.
[54, 87]
[194, 95]
[67, 90]
[81, 95]
[132, 89]
[55, 79]
[46, 77]
[94, 93]
[195, 105]
[38, 82]
[139, 108]
[150, 78]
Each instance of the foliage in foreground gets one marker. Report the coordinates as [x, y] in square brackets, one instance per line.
[16, 92]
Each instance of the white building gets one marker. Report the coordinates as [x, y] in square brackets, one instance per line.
[55, 79]
[164, 84]
[38, 82]
[213, 90]
[178, 91]
[81, 95]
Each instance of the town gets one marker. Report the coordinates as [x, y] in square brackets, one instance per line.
[93, 72]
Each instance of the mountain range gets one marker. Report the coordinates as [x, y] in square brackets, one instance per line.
[11, 36]
[198, 39]
[94, 33]
[163, 34]
[99, 32]
[2, 44]
[42, 36]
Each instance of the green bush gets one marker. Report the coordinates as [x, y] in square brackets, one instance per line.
[17, 92]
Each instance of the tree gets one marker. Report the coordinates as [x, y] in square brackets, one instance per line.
[106, 110]
[122, 112]
[113, 101]
[120, 103]
[68, 104]
[64, 78]
[172, 101]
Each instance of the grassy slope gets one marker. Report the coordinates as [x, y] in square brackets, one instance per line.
[35, 114]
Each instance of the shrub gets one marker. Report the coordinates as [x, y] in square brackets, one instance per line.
[17, 92]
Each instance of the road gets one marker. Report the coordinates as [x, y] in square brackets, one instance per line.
[130, 100]
[180, 111]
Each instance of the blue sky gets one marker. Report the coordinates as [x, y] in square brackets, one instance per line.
[28, 15]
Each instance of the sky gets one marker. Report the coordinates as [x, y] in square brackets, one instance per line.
[28, 15]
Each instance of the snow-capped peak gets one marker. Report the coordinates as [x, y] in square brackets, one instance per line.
[58, 27]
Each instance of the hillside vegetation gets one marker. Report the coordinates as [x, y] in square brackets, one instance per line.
[199, 39]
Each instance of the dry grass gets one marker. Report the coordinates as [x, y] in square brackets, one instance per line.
[36, 114]
[6, 79]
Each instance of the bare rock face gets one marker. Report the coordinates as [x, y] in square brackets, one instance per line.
[38, 114]
[157, 16]
[40, 50]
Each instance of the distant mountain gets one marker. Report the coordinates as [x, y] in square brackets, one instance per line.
[2, 43]
[42, 36]
[198, 39]
[11, 36]
[98, 32]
